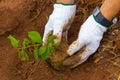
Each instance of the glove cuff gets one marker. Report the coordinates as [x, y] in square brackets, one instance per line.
[101, 19]
[99, 26]
[65, 4]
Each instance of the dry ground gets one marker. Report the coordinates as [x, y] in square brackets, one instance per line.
[17, 17]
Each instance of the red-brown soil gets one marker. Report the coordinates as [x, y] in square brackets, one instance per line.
[17, 17]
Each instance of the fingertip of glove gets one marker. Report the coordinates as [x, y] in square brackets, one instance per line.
[69, 52]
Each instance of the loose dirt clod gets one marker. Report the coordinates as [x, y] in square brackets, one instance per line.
[57, 57]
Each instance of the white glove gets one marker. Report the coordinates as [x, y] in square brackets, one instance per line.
[59, 21]
[89, 37]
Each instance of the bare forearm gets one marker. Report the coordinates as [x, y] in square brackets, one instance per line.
[66, 1]
[110, 8]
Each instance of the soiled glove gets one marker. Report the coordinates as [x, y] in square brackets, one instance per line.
[59, 21]
[89, 37]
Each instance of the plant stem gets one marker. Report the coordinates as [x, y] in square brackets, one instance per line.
[19, 48]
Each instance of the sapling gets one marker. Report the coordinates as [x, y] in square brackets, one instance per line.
[33, 44]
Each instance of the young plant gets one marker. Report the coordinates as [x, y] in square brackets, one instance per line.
[33, 44]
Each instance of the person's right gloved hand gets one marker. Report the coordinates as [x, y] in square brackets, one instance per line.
[88, 41]
[59, 21]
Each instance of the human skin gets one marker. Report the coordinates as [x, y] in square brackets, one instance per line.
[66, 1]
[109, 9]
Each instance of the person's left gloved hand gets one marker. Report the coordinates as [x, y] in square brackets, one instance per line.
[89, 38]
[59, 21]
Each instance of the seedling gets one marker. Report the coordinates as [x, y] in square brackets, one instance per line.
[33, 44]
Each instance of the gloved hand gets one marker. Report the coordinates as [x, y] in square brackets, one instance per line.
[59, 21]
[89, 37]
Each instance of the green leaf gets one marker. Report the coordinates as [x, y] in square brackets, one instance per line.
[51, 39]
[50, 44]
[52, 49]
[46, 54]
[26, 42]
[35, 36]
[57, 44]
[24, 54]
[36, 50]
[42, 50]
[13, 41]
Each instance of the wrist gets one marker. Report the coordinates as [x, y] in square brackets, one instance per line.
[110, 8]
[106, 14]
[99, 17]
